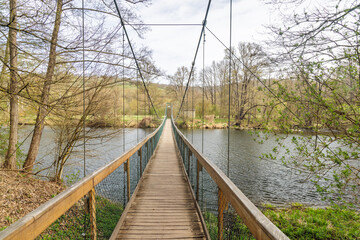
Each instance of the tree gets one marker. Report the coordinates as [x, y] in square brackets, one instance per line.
[212, 82]
[10, 159]
[40, 119]
[252, 61]
[50, 56]
[178, 82]
[321, 55]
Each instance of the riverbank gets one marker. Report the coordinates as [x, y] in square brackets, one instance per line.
[22, 194]
[300, 222]
[297, 222]
[130, 121]
[222, 123]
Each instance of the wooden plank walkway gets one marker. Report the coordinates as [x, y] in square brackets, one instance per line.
[163, 206]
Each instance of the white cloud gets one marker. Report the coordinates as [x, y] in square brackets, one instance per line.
[175, 46]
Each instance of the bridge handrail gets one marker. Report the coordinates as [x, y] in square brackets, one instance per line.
[35, 222]
[259, 225]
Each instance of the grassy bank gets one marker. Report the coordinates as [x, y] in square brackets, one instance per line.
[128, 121]
[75, 223]
[214, 123]
[297, 222]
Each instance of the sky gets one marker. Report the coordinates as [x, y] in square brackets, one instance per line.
[173, 47]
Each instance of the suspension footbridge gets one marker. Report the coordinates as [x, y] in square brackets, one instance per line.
[180, 195]
[170, 191]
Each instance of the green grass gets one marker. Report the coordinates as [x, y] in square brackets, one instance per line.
[74, 224]
[234, 228]
[297, 222]
[107, 215]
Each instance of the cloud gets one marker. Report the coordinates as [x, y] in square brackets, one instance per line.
[175, 46]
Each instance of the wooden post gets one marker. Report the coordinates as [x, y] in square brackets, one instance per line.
[92, 210]
[198, 170]
[140, 156]
[222, 206]
[127, 170]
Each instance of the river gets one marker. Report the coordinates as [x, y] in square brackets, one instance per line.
[103, 146]
[262, 181]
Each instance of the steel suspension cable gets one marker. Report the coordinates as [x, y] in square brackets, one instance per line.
[83, 80]
[137, 107]
[229, 106]
[192, 114]
[134, 56]
[145, 110]
[203, 96]
[187, 110]
[196, 52]
[123, 90]
[84, 109]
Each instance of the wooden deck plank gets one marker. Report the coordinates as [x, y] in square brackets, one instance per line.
[163, 207]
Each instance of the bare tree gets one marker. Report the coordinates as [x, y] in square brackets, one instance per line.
[39, 124]
[178, 82]
[10, 159]
[252, 61]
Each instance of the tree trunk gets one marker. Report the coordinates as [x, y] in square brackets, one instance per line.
[10, 159]
[43, 108]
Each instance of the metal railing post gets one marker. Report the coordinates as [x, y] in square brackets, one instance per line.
[140, 159]
[189, 158]
[147, 152]
[198, 170]
[152, 146]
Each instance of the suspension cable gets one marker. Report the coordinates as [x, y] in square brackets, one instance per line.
[83, 83]
[192, 113]
[196, 52]
[123, 91]
[203, 96]
[229, 106]
[134, 56]
[137, 107]
[83, 80]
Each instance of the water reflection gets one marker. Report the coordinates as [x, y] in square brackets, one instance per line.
[99, 151]
[262, 181]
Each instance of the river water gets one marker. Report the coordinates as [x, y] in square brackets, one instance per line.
[262, 181]
[103, 146]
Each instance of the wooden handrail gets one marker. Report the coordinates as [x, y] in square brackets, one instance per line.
[35, 222]
[259, 225]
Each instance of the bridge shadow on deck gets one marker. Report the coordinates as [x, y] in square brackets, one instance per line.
[162, 206]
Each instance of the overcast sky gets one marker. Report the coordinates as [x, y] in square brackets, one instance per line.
[175, 46]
